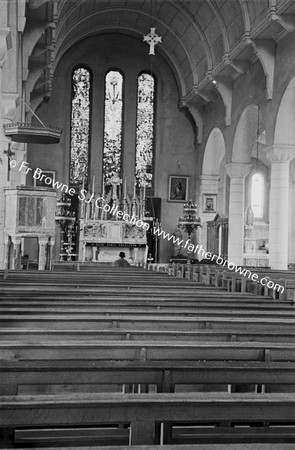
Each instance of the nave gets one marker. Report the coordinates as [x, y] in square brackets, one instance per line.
[113, 358]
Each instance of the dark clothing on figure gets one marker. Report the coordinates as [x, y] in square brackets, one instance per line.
[121, 262]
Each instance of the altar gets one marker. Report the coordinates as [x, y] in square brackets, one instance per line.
[106, 228]
[101, 241]
[29, 217]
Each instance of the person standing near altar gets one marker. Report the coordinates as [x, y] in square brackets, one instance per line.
[121, 262]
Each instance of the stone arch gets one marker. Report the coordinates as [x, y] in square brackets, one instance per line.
[212, 179]
[284, 127]
[214, 152]
[245, 131]
[284, 141]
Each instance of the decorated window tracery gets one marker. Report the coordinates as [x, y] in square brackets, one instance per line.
[80, 125]
[113, 113]
[145, 130]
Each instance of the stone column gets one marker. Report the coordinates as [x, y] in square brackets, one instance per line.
[237, 173]
[209, 185]
[7, 245]
[50, 243]
[16, 254]
[280, 157]
[94, 249]
[83, 251]
[42, 253]
[4, 31]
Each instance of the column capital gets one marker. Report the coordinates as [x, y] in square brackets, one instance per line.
[210, 177]
[280, 153]
[15, 239]
[42, 240]
[237, 169]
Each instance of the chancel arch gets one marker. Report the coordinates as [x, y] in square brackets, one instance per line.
[170, 130]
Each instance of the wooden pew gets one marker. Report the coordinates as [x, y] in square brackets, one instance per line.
[51, 376]
[220, 276]
[158, 294]
[234, 282]
[217, 311]
[144, 410]
[152, 351]
[116, 334]
[280, 446]
[100, 322]
[142, 362]
[76, 301]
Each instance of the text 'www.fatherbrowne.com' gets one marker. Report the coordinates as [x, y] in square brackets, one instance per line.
[200, 251]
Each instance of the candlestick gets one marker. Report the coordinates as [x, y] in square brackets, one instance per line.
[125, 188]
[93, 184]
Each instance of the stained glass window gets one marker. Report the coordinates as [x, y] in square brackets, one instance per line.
[145, 130]
[112, 141]
[80, 122]
[257, 195]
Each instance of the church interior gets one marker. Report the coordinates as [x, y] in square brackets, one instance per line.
[162, 131]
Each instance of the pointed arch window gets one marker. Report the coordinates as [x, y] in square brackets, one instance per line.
[113, 120]
[257, 195]
[144, 160]
[80, 125]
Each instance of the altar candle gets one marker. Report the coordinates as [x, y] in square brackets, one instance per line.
[103, 189]
[83, 181]
[144, 190]
[93, 184]
[134, 189]
[125, 188]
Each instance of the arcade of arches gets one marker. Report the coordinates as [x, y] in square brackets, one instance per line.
[220, 111]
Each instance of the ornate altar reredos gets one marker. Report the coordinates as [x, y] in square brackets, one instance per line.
[103, 232]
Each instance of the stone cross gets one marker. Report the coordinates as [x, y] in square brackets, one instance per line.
[152, 39]
[9, 153]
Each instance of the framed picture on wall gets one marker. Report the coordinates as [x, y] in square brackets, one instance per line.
[209, 203]
[178, 188]
[48, 174]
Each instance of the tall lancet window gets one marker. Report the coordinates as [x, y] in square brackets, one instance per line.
[80, 125]
[113, 112]
[145, 130]
[257, 195]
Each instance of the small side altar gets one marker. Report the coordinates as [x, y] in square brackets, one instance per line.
[106, 228]
[256, 241]
[29, 213]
